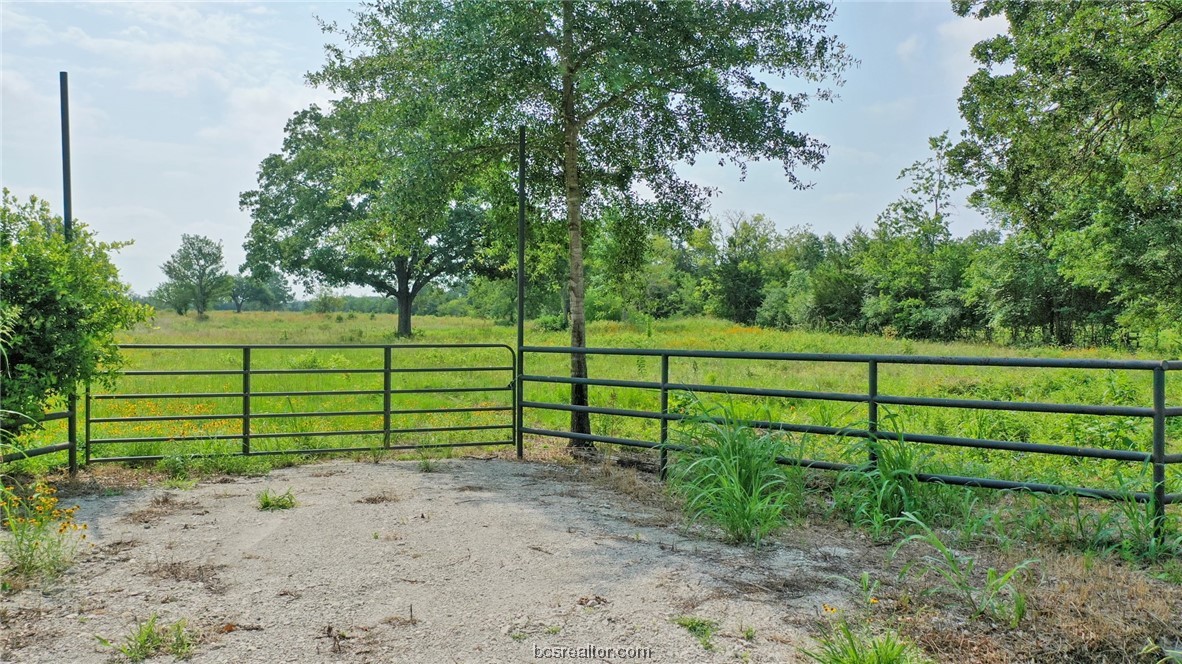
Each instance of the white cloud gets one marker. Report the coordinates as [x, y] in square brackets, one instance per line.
[254, 116]
[907, 48]
[33, 31]
[957, 38]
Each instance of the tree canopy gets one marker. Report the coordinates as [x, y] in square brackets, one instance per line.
[350, 201]
[614, 95]
[1074, 131]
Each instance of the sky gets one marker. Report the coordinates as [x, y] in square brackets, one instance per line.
[174, 105]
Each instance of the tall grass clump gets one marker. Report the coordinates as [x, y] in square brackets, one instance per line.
[732, 478]
[841, 645]
[874, 495]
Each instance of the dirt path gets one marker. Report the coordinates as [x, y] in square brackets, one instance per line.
[499, 560]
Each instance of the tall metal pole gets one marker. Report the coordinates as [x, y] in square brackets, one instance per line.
[520, 392]
[68, 216]
[68, 233]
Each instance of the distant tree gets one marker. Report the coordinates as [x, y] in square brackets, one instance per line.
[348, 203]
[62, 305]
[199, 268]
[171, 295]
[740, 274]
[268, 292]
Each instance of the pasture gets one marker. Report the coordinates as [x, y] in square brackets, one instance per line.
[291, 415]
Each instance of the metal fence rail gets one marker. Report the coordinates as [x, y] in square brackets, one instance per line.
[1158, 412]
[380, 402]
[70, 446]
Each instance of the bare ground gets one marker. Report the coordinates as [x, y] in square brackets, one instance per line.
[481, 561]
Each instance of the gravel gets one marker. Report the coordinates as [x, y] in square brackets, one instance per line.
[480, 561]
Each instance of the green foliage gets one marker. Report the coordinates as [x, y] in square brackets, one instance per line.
[840, 645]
[1073, 132]
[701, 629]
[269, 292]
[733, 479]
[739, 276]
[875, 496]
[149, 638]
[62, 304]
[352, 200]
[173, 296]
[269, 501]
[552, 323]
[1000, 598]
[198, 268]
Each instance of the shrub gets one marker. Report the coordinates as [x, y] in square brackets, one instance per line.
[64, 303]
[552, 323]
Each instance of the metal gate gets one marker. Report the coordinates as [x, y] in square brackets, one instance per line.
[302, 399]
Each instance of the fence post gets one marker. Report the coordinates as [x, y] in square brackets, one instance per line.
[1159, 452]
[87, 429]
[872, 410]
[518, 397]
[72, 431]
[388, 363]
[246, 399]
[664, 462]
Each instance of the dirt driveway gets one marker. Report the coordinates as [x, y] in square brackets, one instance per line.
[480, 561]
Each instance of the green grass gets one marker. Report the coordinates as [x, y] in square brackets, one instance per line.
[269, 501]
[702, 629]
[841, 645]
[733, 480]
[149, 638]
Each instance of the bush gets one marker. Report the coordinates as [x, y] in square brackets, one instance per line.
[552, 323]
[64, 303]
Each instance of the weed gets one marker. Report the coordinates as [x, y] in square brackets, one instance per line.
[178, 484]
[734, 480]
[42, 537]
[177, 467]
[840, 645]
[875, 496]
[1000, 598]
[701, 629]
[270, 502]
[749, 633]
[426, 464]
[553, 629]
[149, 638]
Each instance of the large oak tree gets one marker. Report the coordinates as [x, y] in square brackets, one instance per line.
[350, 201]
[614, 95]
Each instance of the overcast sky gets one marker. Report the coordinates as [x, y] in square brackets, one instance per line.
[173, 106]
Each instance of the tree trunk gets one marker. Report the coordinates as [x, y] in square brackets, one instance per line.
[405, 299]
[579, 422]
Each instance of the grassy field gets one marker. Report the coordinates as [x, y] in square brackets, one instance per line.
[296, 415]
